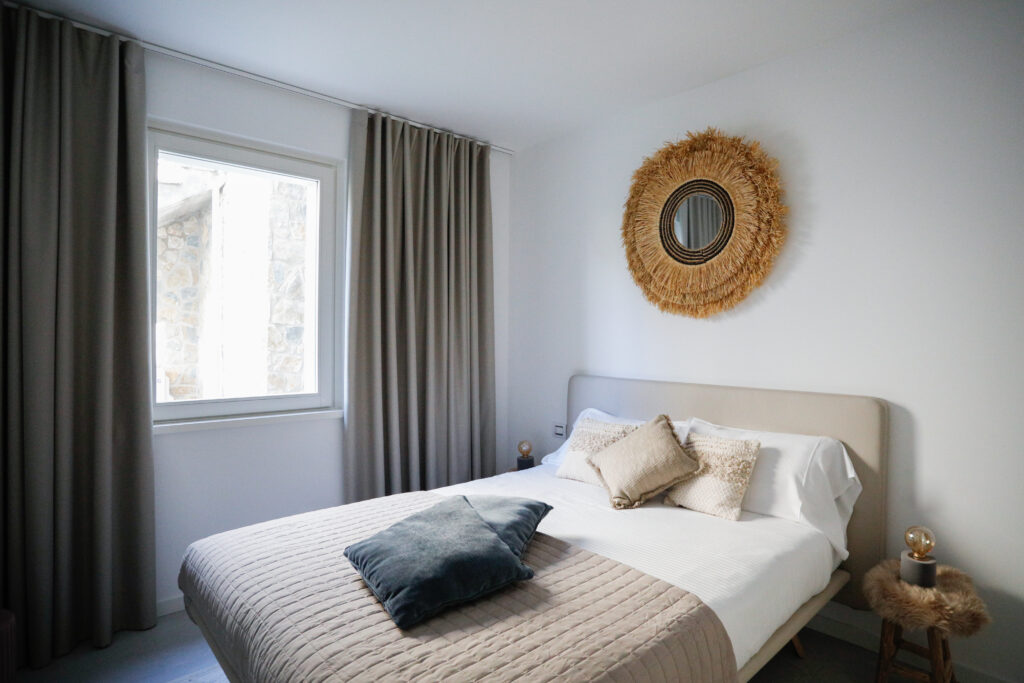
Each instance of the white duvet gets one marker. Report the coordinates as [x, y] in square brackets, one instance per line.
[754, 573]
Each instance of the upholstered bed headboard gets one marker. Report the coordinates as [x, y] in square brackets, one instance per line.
[860, 422]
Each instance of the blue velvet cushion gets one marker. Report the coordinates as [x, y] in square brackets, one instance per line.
[514, 519]
[442, 556]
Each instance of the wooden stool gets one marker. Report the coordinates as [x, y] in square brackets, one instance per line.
[952, 607]
[937, 652]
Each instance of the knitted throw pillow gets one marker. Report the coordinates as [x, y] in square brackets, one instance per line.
[721, 481]
[589, 436]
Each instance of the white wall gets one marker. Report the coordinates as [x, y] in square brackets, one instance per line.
[900, 150]
[200, 96]
[212, 480]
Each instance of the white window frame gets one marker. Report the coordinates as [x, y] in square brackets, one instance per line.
[175, 139]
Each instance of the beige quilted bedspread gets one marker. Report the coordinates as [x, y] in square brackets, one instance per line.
[279, 602]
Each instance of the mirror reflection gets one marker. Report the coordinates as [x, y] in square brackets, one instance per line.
[698, 220]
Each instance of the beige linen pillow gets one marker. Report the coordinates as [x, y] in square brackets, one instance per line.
[642, 464]
[721, 481]
[589, 436]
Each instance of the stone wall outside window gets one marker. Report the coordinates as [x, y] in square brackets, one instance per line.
[184, 242]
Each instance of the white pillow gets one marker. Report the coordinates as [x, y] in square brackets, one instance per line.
[808, 479]
[556, 457]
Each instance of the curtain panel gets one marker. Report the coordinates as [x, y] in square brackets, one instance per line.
[77, 494]
[419, 408]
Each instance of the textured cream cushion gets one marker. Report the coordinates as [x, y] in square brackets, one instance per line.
[556, 457]
[724, 474]
[642, 464]
[589, 436]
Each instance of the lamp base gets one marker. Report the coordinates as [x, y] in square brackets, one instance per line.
[524, 462]
[918, 572]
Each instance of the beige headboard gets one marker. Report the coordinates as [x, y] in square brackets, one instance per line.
[860, 422]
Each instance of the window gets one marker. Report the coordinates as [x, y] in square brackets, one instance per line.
[243, 257]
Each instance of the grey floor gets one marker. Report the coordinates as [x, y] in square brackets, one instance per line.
[175, 651]
[827, 659]
[172, 651]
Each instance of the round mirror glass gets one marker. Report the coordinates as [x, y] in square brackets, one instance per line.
[698, 220]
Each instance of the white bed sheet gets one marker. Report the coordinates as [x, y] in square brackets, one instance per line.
[754, 573]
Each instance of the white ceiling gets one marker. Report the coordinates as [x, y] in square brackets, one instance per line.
[512, 72]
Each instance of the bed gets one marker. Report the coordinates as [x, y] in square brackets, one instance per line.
[273, 602]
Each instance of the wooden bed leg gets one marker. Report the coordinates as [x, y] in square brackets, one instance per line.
[798, 646]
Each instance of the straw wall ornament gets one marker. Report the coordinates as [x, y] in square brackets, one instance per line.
[731, 186]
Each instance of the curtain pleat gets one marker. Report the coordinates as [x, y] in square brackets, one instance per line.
[704, 219]
[419, 410]
[78, 554]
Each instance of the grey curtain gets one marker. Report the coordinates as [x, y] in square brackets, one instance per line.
[419, 409]
[698, 221]
[77, 495]
[704, 219]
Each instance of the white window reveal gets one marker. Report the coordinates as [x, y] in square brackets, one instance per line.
[243, 265]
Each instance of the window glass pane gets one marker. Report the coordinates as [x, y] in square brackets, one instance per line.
[236, 274]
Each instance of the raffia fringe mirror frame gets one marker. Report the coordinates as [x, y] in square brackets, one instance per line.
[701, 276]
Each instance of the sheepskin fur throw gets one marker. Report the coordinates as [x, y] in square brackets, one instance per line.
[952, 606]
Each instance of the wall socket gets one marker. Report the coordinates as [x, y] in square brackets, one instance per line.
[560, 430]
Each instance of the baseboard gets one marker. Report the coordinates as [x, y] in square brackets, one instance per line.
[170, 605]
[862, 628]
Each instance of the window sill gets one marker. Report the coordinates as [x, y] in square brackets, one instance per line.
[199, 424]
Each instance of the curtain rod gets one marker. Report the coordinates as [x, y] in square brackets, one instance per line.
[265, 80]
